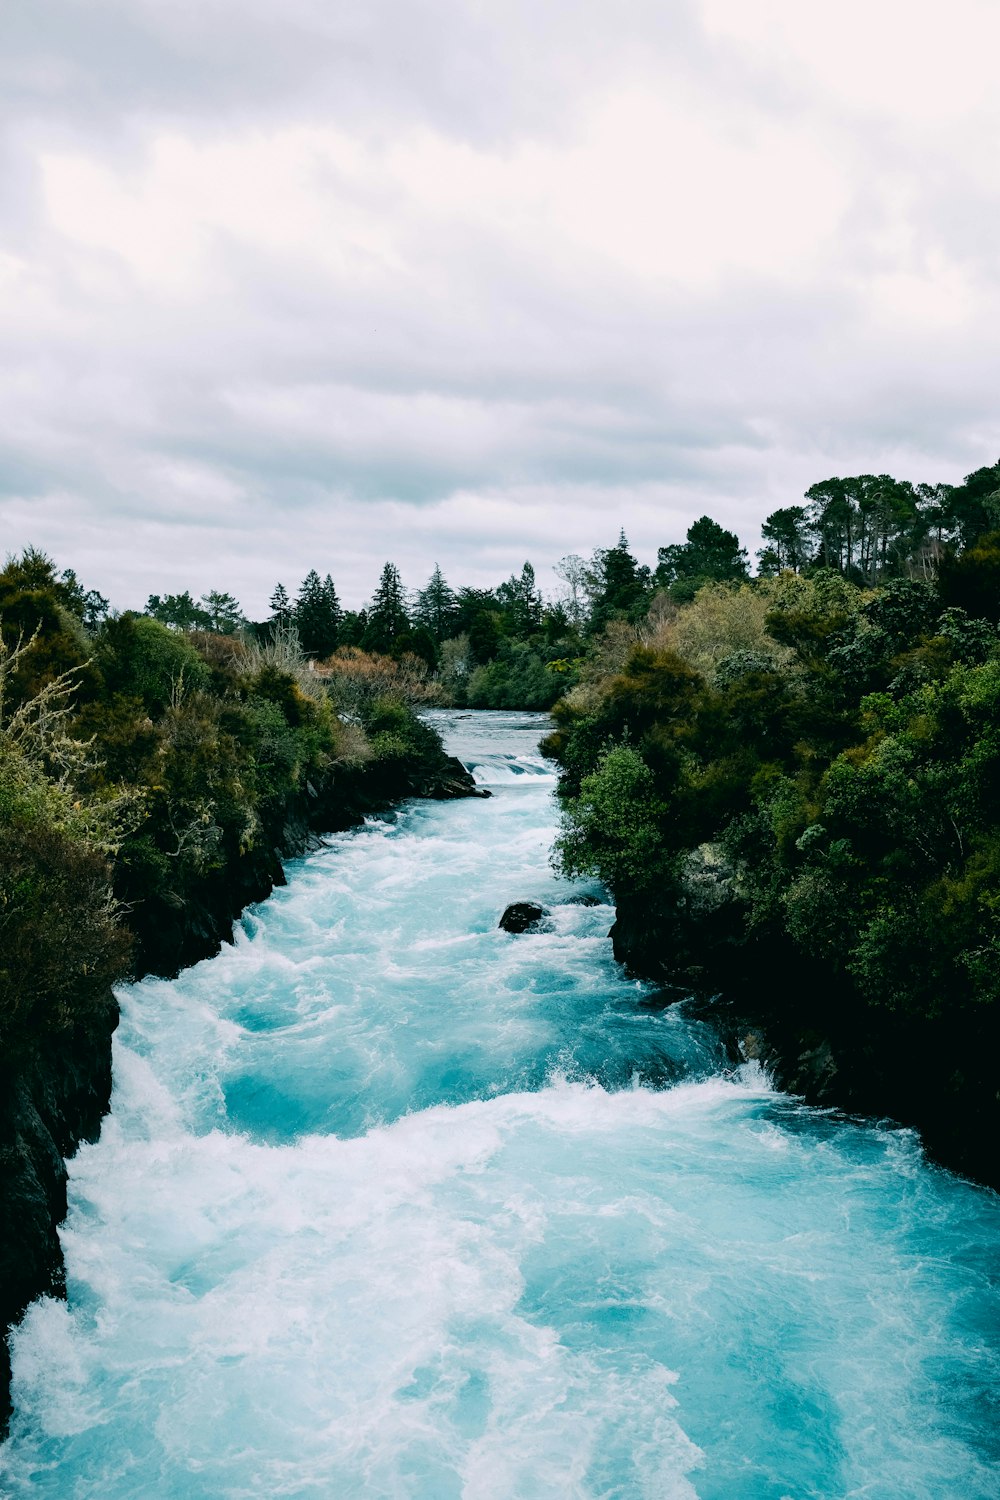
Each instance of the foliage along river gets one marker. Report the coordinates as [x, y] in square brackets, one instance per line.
[393, 1204]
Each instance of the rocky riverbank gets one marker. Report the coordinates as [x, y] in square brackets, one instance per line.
[54, 1097]
[819, 1040]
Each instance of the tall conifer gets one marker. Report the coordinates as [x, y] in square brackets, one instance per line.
[387, 616]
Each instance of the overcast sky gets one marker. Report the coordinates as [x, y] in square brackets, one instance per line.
[295, 283]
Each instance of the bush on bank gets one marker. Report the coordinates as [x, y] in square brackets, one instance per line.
[826, 760]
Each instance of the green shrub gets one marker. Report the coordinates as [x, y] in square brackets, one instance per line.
[614, 826]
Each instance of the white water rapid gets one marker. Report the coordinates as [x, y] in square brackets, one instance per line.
[391, 1203]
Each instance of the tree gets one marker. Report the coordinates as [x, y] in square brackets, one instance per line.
[619, 585]
[353, 624]
[33, 606]
[868, 526]
[87, 604]
[387, 617]
[973, 507]
[972, 581]
[521, 602]
[317, 615]
[485, 636]
[786, 533]
[62, 942]
[281, 606]
[470, 604]
[573, 571]
[223, 611]
[436, 607]
[334, 612]
[833, 520]
[179, 611]
[710, 554]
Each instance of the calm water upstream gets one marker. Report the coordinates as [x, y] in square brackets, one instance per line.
[393, 1204]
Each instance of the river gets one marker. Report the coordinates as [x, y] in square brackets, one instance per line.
[391, 1203]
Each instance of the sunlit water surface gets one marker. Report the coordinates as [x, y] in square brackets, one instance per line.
[393, 1204]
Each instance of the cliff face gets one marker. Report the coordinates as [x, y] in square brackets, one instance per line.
[820, 1041]
[49, 1103]
[55, 1097]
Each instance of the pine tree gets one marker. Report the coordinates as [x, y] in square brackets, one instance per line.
[317, 615]
[387, 617]
[334, 613]
[522, 602]
[436, 607]
[281, 606]
[179, 611]
[785, 533]
[223, 611]
[620, 585]
[709, 554]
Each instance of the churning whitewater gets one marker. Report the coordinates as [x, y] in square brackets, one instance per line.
[394, 1204]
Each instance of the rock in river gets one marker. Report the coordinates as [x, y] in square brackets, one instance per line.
[523, 916]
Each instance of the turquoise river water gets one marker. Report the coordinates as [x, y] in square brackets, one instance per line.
[391, 1203]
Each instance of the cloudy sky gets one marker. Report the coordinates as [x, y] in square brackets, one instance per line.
[294, 283]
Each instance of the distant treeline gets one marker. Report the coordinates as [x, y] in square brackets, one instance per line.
[507, 647]
[167, 746]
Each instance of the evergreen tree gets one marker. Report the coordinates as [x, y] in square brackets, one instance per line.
[710, 554]
[974, 505]
[387, 617]
[317, 615]
[178, 610]
[223, 612]
[281, 606]
[619, 585]
[786, 534]
[334, 612]
[521, 601]
[833, 521]
[87, 604]
[870, 526]
[470, 604]
[436, 607]
[353, 624]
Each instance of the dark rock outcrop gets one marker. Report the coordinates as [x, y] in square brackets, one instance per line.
[452, 781]
[48, 1105]
[523, 916]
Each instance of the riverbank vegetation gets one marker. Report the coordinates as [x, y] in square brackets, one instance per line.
[144, 768]
[792, 786]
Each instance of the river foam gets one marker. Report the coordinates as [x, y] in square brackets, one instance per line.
[388, 1205]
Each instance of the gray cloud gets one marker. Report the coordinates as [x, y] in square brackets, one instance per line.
[297, 284]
